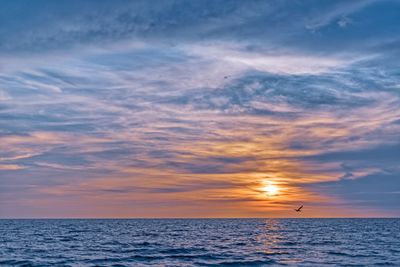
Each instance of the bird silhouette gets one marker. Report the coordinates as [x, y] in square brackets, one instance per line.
[299, 209]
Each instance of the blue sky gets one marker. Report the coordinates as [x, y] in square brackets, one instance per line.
[189, 108]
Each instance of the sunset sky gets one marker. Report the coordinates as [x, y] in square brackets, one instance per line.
[199, 108]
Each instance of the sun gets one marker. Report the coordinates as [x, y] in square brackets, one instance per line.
[271, 190]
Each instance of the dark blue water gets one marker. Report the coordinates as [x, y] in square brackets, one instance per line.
[200, 242]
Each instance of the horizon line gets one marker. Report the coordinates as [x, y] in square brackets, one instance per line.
[184, 218]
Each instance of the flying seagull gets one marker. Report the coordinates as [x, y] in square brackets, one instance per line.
[299, 209]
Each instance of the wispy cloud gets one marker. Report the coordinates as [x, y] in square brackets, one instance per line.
[154, 109]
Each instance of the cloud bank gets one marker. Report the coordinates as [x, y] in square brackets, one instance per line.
[126, 109]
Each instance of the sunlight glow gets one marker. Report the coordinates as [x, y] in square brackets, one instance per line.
[270, 189]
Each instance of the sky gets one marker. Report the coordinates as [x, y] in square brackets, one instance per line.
[203, 108]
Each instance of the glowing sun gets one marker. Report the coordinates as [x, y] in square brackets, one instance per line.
[270, 189]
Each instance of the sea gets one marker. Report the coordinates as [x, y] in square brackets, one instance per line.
[200, 242]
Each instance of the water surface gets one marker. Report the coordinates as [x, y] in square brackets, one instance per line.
[200, 242]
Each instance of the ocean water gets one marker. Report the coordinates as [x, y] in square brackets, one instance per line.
[200, 242]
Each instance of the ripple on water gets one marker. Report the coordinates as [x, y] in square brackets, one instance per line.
[213, 242]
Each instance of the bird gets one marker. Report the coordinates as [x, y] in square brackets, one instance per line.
[299, 209]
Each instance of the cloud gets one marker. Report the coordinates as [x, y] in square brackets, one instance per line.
[10, 167]
[374, 190]
[337, 12]
[76, 25]
[136, 104]
[271, 61]
[344, 22]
